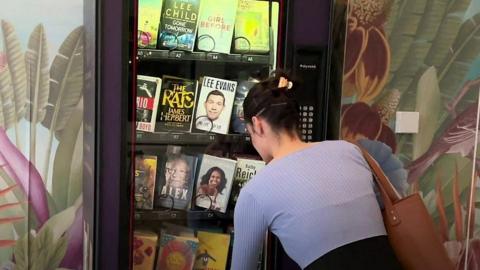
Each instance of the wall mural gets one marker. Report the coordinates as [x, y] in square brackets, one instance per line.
[420, 55]
[41, 142]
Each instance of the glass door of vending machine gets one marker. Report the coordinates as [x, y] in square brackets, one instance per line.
[190, 156]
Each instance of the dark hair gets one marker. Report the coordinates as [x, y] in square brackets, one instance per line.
[274, 104]
[223, 179]
[216, 93]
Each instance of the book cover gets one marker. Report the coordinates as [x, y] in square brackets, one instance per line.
[178, 25]
[148, 93]
[214, 107]
[212, 252]
[214, 183]
[177, 104]
[238, 120]
[148, 21]
[176, 252]
[252, 33]
[145, 175]
[176, 180]
[215, 25]
[245, 170]
[144, 250]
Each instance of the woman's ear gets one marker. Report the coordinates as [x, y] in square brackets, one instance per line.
[258, 125]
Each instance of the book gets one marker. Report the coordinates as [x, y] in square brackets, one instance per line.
[148, 93]
[178, 25]
[252, 29]
[212, 251]
[237, 119]
[245, 170]
[176, 180]
[214, 183]
[215, 25]
[214, 106]
[177, 104]
[176, 252]
[144, 250]
[148, 21]
[145, 175]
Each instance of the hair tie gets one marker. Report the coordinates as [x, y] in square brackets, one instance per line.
[284, 83]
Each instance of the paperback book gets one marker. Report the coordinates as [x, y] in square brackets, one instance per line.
[245, 170]
[212, 252]
[177, 104]
[148, 21]
[215, 25]
[148, 93]
[145, 176]
[144, 250]
[176, 252]
[178, 26]
[238, 120]
[176, 180]
[214, 183]
[214, 107]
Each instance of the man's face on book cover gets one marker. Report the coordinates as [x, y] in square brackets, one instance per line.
[177, 173]
[214, 106]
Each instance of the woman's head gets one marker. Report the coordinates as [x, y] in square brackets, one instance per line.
[271, 101]
[215, 179]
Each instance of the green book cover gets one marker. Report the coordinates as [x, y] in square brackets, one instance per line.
[148, 22]
[252, 33]
[215, 25]
[178, 26]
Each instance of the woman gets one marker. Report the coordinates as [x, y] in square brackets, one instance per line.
[317, 198]
[212, 184]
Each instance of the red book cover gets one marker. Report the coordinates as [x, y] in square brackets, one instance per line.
[176, 252]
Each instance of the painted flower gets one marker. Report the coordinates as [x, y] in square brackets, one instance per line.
[367, 58]
[360, 121]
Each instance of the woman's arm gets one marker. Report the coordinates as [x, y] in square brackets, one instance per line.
[249, 233]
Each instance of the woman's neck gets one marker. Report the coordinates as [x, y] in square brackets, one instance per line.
[286, 145]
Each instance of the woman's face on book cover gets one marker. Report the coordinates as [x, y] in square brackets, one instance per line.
[215, 179]
[214, 106]
[177, 173]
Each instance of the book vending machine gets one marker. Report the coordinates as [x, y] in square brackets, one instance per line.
[190, 65]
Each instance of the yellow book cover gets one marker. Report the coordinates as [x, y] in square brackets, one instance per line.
[148, 22]
[212, 252]
[144, 247]
[252, 34]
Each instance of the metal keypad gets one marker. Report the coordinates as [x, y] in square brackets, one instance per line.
[306, 122]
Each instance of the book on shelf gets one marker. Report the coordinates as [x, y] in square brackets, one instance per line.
[176, 181]
[252, 26]
[238, 120]
[144, 249]
[215, 25]
[177, 104]
[214, 182]
[214, 105]
[148, 93]
[178, 24]
[245, 170]
[212, 251]
[176, 252]
[145, 178]
[148, 21]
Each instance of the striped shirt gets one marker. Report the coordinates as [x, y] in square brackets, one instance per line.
[314, 200]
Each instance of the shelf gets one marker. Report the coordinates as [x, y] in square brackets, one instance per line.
[188, 138]
[152, 55]
[163, 215]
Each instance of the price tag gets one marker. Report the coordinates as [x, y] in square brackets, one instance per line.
[212, 137]
[176, 136]
[173, 215]
[210, 215]
[250, 59]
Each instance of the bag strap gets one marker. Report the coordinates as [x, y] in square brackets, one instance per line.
[389, 194]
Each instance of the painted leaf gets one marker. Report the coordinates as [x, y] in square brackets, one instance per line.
[428, 89]
[463, 52]
[404, 30]
[36, 59]
[65, 159]
[16, 63]
[66, 85]
[7, 99]
[392, 17]
[419, 48]
[447, 32]
[75, 188]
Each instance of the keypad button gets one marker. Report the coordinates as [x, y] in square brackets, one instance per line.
[310, 114]
[309, 131]
[304, 137]
[304, 119]
[309, 137]
[310, 108]
[304, 125]
[305, 108]
[310, 120]
[310, 125]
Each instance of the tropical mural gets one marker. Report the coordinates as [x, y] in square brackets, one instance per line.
[423, 56]
[41, 137]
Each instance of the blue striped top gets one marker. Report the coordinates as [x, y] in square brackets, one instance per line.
[314, 200]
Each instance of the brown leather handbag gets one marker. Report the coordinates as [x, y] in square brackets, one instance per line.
[410, 228]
